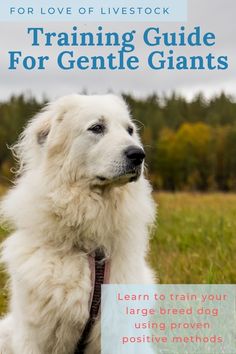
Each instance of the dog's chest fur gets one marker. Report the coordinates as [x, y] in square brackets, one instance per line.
[50, 273]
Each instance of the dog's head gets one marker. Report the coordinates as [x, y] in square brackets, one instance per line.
[84, 137]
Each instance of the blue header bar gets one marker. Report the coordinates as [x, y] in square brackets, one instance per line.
[93, 11]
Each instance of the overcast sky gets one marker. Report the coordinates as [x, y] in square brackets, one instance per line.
[212, 15]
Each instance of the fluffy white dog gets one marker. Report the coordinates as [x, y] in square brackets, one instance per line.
[81, 187]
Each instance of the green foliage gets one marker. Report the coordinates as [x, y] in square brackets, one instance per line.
[189, 145]
[185, 157]
[14, 114]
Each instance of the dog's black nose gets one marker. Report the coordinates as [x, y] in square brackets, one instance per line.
[135, 154]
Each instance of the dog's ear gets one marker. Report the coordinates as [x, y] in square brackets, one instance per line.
[43, 130]
[28, 148]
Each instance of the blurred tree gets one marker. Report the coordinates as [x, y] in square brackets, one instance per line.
[13, 116]
[189, 144]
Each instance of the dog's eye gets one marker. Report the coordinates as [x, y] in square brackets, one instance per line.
[97, 128]
[130, 130]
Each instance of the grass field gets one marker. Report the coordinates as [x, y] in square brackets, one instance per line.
[194, 241]
[3, 280]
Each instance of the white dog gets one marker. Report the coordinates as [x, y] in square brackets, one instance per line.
[81, 187]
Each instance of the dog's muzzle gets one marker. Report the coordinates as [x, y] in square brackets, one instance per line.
[130, 169]
[134, 155]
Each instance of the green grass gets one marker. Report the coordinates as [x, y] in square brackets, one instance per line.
[194, 241]
[3, 276]
[3, 280]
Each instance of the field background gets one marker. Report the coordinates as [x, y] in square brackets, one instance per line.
[194, 241]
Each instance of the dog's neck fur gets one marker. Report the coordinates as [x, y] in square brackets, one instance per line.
[78, 216]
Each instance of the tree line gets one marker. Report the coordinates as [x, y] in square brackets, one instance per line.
[190, 145]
